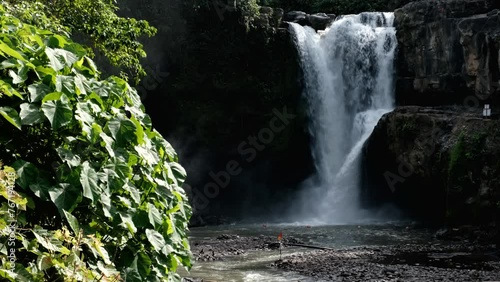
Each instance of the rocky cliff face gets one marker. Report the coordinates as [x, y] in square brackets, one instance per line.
[448, 51]
[214, 90]
[438, 164]
[442, 163]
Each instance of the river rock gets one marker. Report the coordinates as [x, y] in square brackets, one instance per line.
[448, 50]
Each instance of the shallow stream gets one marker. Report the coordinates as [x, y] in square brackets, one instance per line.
[256, 265]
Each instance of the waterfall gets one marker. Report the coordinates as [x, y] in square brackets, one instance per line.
[348, 83]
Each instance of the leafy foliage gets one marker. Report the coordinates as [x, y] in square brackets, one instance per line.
[249, 10]
[98, 192]
[93, 21]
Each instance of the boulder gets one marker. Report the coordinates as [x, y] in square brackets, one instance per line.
[319, 21]
[295, 16]
[437, 164]
[448, 52]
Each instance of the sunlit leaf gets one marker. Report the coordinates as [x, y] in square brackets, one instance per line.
[89, 181]
[156, 239]
[7, 89]
[30, 114]
[154, 215]
[11, 116]
[38, 91]
[60, 58]
[58, 112]
[6, 50]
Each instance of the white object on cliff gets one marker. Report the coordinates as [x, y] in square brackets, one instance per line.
[486, 111]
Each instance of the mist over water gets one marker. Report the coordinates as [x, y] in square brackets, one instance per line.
[348, 79]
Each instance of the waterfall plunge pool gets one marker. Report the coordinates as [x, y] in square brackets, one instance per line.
[256, 265]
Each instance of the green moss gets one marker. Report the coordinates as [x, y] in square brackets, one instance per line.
[457, 154]
[408, 128]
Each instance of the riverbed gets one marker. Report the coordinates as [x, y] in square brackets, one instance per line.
[250, 253]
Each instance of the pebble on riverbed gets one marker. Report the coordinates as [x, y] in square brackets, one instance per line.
[398, 263]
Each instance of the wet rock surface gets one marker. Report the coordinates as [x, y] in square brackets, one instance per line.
[439, 260]
[399, 263]
[227, 245]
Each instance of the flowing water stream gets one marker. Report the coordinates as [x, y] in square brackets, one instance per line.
[255, 266]
[348, 79]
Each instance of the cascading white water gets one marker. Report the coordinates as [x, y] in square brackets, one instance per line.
[348, 78]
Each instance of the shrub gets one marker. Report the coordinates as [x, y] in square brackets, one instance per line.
[97, 195]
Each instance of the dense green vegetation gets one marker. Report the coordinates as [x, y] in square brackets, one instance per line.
[92, 22]
[97, 195]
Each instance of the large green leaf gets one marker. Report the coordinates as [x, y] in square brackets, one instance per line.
[30, 114]
[119, 166]
[11, 116]
[108, 209]
[69, 157]
[27, 173]
[133, 192]
[147, 154]
[108, 143]
[58, 112]
[156, 239]
[84, 114]
[76, 49]
[89, 181]
[41, 188]
[60, 58]
[20, 76]
[65, 84]
[131, 273]
[154, 216]
[38, 91]
[122, 130]
[6, 50]
[81, 84]
[127, 222]
[65, 196]
[178, 172]
[72, 221]
[57, 41]
[143, 264]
